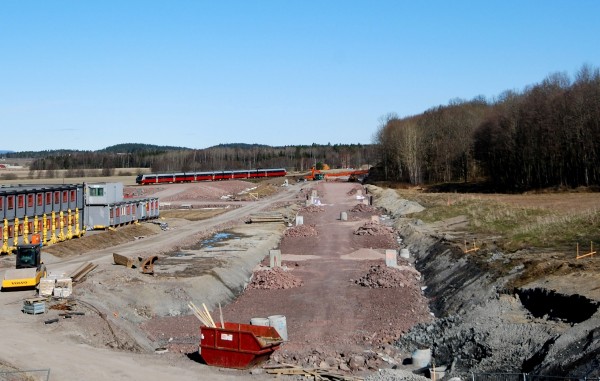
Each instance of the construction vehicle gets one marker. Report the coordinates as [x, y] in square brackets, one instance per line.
[352, 175]
[28, 270]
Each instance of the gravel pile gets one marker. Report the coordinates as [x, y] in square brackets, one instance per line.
[362, 208]
[301, 231]
[312, 209]
[373, 228]
[395, 375]
[387, 277]
[274, 279]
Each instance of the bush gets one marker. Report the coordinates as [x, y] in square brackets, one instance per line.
[8, 176]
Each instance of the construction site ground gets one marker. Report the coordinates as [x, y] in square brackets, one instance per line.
[345, 310]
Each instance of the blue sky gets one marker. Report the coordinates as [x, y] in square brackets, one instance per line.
[90, 74]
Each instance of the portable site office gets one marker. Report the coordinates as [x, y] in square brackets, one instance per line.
[53, 211]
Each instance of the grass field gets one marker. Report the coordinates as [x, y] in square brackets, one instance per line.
[544, 220]
[123, 175]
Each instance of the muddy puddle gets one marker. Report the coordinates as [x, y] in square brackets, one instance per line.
[200, 258]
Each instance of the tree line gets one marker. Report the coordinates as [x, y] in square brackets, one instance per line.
[544, 136]
[221, 157]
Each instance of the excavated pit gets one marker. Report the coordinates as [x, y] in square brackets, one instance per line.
[550, 305]
[481, 328]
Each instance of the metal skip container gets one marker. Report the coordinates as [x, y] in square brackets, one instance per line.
[237, 345]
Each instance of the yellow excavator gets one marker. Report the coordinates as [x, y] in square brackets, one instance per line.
[28, 270]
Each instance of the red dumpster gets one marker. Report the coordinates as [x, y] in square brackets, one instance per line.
[237, 345]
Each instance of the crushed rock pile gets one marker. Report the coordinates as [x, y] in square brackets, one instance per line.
[301, 231]
[373, 228]
[313, 209]
[395, 375]
[362, 208]
[353, 191]
[274, 279]
[388, 277]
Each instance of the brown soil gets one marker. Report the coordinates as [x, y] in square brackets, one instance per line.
[330, 319]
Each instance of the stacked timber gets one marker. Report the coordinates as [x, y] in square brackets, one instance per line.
[82, 271]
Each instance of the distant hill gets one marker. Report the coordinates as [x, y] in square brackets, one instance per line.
[138, 147]
[241, 146]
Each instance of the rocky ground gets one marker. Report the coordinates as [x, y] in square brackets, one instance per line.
[486, 325]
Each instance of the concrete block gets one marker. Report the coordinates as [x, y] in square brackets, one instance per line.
[391, 259]
[274, 258]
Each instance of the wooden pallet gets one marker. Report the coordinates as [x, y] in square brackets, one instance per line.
[309, 373]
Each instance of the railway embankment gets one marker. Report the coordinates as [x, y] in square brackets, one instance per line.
[486, 324]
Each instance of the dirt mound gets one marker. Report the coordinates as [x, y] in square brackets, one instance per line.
[386, 277]
[101, 240]
[312, 209]
[373, 228]
[389, 199]
[362, 208]
[353, 191]
[301, 231]
[274, 279]
[208, 191]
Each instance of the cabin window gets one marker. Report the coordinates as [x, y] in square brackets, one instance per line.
[29, 200]
[2, 203]
[21, 201]
[72, 196]
[96, 192]
[65, 197]
[10, 202]
[48, 198]
[56, 197]
[40, 199]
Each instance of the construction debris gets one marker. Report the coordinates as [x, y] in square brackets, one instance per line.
[145, 264]
[266, 217]
[203, 315]
[373, 228]
[82, 271]
[34, 306]
[309, 373]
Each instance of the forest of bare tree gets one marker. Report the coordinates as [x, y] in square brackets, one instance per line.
[545, 136]
[221, 157]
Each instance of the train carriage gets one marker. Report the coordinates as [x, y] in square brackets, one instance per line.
[181, 177]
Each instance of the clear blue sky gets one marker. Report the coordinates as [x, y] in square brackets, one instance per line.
[90, 74]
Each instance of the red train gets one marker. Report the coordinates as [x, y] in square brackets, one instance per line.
[187, 177]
